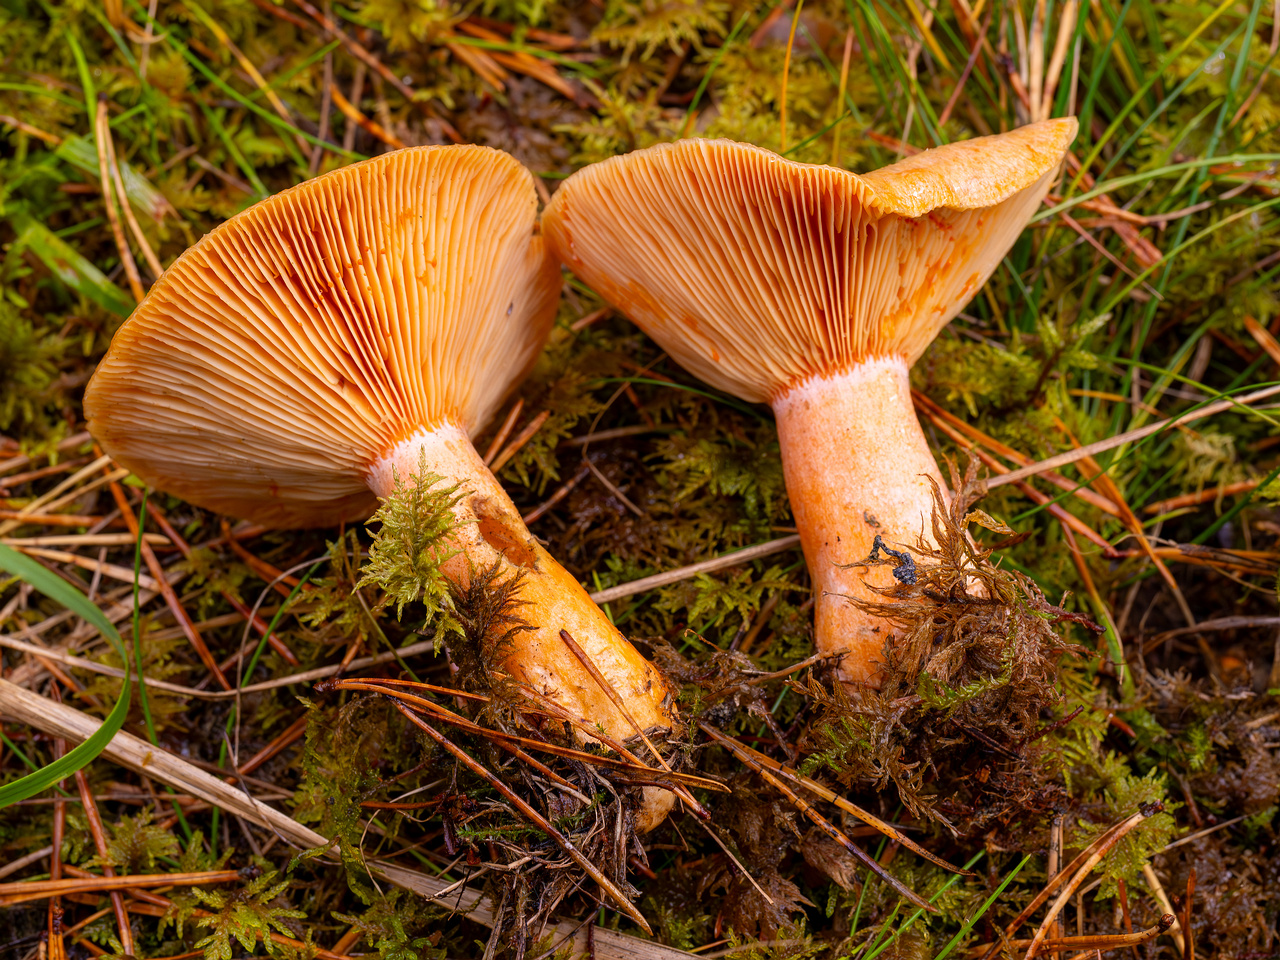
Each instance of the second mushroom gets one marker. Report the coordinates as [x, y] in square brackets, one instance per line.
[814, 290]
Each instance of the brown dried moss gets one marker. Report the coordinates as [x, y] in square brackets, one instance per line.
[970, 682]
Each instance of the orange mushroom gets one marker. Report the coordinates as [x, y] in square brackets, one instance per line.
[813, 290]
[312, 350]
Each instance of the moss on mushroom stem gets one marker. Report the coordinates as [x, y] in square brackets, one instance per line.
[487, 533]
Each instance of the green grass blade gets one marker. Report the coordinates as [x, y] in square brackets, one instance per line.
[144, 197]
[57, 589]
[706, 77]
[918, 912]
[986, 905]
[1142, 92]
[271, 627]
[68, 266]
[1111, 186]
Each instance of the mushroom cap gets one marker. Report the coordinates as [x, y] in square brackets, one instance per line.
[756, 272]
[297, 343]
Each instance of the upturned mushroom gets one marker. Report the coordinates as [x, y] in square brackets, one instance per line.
[309, 352]
[813, 290]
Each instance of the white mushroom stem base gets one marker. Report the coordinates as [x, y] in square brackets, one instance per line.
[856, 465]
[489, 529]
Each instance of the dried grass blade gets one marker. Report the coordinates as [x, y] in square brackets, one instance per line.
[11, 893]
[45, 500]
[126, 208]
[1066, 30]
[112, 570]
[1264, 338]
[722, 562]
[1101, 446]
[1054, 882]
[136, 754]
[102, 133]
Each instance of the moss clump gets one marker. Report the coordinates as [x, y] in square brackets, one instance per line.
[413, 542]
[971, 681]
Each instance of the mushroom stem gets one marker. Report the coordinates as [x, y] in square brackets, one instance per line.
[488, 529]
[856, 465]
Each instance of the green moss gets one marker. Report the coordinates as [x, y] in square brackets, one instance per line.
[413, 541]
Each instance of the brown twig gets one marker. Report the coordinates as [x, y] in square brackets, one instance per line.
[282, 582]
[1200, 497]
[587, 319]
[523, 437]
[603, 683]
[813, 786]
[360, 52]
[50, 138]
[139, 755]
[57, 944]
[504, 431]
[498, 736]
[374, 129]
[290, 735]
[560, 493]
[976, 43]
[259, 624]
[1092, 943]
[1189, 951]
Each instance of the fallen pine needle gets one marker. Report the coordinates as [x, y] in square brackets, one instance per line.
[21, 892]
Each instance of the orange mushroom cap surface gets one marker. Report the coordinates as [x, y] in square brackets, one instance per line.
[297, 343]
[812, 289]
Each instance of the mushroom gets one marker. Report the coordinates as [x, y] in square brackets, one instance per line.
[308, 353]
[813, 290]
